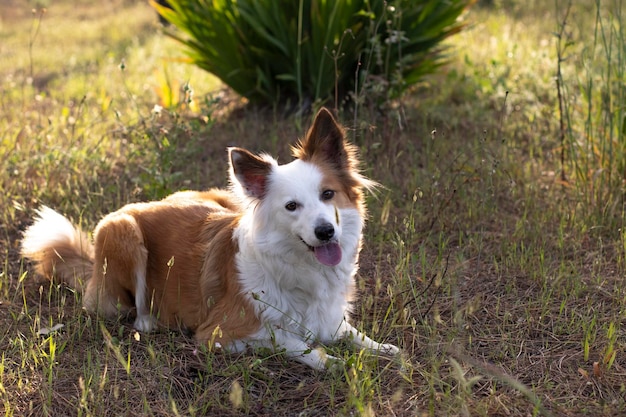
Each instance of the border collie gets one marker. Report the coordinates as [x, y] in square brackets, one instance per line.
[270, 262]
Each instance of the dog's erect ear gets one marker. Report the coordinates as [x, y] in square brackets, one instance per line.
[250, 171]
[324, 140]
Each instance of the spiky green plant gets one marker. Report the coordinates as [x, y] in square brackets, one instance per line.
[308, 50]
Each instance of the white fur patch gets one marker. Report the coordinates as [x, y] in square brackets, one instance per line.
[294, 294]
[49, 227]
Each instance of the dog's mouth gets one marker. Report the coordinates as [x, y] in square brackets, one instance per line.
[328, 254]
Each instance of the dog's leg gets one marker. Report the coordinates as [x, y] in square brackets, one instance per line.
[145, 321]
[315, 358]
[294, 348]
[347, 331]
[120, 263]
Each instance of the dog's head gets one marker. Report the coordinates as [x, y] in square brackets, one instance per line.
[314, 203]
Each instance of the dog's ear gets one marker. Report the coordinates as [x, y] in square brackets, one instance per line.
[324, 140]
[250, 171]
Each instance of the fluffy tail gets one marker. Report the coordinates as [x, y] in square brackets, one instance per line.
[58, 249]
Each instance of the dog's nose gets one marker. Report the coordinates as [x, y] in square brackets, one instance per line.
[324, 231]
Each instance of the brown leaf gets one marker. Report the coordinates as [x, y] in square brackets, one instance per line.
[597, 371]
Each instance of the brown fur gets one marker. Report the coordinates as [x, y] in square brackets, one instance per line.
[68, 260]
[185, 243]
[339, 163]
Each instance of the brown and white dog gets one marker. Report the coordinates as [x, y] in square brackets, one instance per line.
[269, 263]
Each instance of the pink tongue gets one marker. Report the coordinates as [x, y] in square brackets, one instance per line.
[329, 254]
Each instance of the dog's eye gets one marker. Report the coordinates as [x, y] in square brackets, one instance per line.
[327, 195]
[291, 206]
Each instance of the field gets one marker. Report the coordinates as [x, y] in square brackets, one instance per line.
[494, 255]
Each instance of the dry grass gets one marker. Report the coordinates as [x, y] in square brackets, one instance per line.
[504, 289]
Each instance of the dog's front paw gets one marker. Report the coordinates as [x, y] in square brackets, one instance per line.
[319, 360]
[334, 364]
[145, 324]
[389, 349]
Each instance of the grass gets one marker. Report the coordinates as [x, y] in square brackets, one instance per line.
[494, 262]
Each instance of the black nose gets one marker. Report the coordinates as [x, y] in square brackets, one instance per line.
[325, 231]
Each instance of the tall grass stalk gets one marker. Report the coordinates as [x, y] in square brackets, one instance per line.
[38, 13]
[594, 109]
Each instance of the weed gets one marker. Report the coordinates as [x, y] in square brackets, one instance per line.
[592, 128]
[502, 283]
[297, 52]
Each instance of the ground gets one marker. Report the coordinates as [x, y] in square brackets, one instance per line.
[494, 252]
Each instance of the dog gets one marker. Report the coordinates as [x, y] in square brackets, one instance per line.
[269, 262]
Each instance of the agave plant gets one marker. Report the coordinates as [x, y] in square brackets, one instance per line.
[407, 44]
[301, 51]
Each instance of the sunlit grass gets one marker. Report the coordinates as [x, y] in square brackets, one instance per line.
[523, 240]
[502, 283]
[73, 44]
